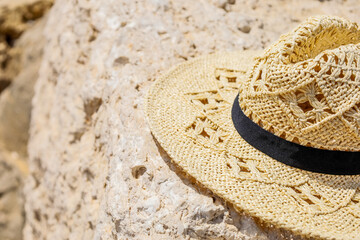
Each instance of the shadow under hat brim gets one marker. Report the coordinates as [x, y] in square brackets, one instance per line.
[189, 113]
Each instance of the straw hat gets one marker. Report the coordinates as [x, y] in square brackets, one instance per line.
[276, 133]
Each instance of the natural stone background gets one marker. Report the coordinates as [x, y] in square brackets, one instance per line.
[95, 170]
[21, 44]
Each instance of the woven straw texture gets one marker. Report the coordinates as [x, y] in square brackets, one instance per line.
[302, 88]
[305, 88]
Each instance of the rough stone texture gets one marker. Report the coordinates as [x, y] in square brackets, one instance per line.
[15, 17]
[21, 44]
[15, 106]
[19, 62]
[11, 200]
[15, 101]
[95, 170]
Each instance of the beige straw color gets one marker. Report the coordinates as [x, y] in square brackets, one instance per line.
[304, 88]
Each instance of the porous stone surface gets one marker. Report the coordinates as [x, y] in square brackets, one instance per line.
[11, 200]
[95, 170]
[21, 43]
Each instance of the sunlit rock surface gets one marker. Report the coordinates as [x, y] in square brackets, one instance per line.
[95, 169]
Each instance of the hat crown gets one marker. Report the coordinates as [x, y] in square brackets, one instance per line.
[305, 88]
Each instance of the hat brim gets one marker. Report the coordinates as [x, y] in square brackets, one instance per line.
[189, 113]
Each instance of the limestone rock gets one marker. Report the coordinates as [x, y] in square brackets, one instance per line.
[15, 101]
[20, 60]
[15, 17]
[95, 169]
[11, 201]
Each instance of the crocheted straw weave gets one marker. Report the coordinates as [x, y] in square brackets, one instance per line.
[304, 88]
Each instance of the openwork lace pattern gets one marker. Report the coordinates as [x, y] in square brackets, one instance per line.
[307, 84]
[208, 130]
[309, 96]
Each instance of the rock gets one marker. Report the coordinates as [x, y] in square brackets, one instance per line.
[15, 17]
[11, 200]
[15, 101]
[244, 28]
[19, 61]
[21, 44]
[95, 170]
[243, 22]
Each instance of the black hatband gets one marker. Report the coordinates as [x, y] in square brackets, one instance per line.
[293, 154]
